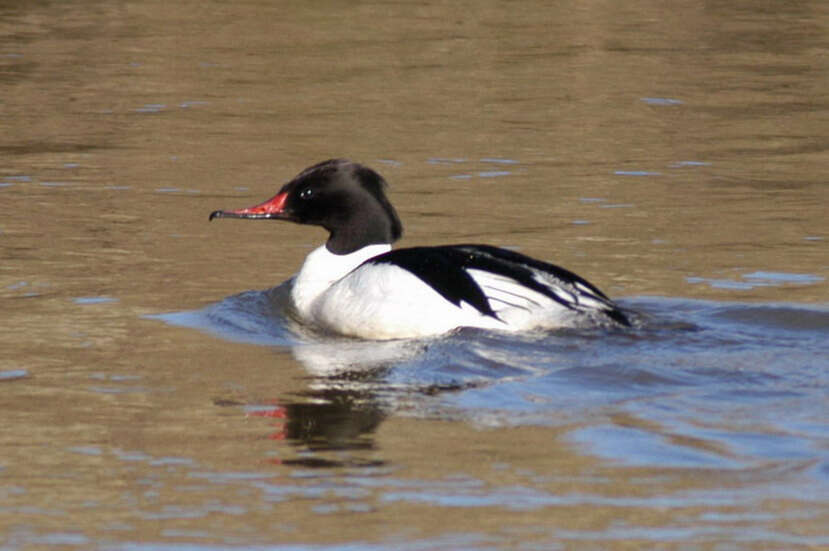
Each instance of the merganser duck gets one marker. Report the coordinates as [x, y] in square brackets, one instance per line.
[356, 285]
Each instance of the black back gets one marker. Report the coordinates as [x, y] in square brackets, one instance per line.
[445, 270]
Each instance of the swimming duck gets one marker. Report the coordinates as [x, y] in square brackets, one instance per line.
[356, 285]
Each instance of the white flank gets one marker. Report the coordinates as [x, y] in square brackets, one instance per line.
[385, 301]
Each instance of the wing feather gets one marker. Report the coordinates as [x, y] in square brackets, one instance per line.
[492, 279]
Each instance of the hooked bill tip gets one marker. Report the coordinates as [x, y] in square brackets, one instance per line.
[214, 214]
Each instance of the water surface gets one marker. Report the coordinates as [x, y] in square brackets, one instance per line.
[153, 397]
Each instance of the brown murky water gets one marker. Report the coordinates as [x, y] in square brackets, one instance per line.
[672, 150]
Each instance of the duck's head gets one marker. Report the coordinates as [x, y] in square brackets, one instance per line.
[346, 198]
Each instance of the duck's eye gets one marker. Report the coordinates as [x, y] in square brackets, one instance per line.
[306, 193]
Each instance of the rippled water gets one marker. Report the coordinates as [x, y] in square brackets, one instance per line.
[701, 383]
[732, 391]
[672, 153]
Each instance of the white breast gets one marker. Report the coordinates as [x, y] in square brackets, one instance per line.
[321, 269]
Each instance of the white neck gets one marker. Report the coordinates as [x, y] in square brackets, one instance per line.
[322, 268]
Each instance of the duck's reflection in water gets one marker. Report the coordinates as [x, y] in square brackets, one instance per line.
[332, 422]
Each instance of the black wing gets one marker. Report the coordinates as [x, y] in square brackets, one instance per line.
[445, 269]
